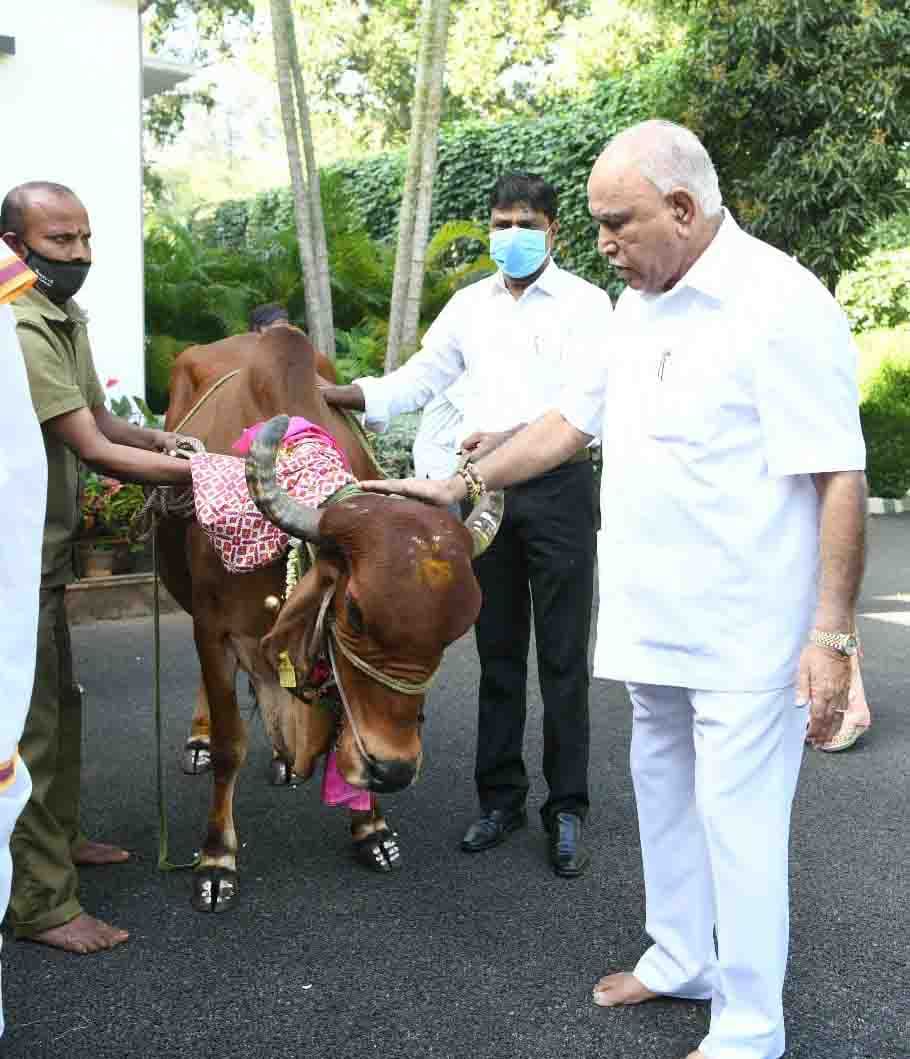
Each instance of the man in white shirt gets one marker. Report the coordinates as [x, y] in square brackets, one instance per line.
[517, 341]
[730, 563]
[23, 491]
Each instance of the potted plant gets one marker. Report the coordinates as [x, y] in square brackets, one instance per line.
[108, 507]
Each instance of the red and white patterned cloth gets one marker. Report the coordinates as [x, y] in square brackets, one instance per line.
[311, 467]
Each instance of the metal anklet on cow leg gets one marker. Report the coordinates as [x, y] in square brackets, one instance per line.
[280, 773]
[197, 756]
[214, 889]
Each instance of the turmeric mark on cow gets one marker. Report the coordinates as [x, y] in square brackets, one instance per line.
[432, 571]
[435, 573]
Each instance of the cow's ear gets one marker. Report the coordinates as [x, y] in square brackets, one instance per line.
[296, 618]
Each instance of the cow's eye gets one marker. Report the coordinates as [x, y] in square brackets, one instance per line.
[354, 614]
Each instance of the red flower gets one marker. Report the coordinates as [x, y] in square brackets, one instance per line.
[111, 382]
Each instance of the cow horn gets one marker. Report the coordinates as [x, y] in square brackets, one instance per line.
[484, 520]
[287, 514]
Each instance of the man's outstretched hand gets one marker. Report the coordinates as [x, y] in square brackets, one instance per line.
[431, 491]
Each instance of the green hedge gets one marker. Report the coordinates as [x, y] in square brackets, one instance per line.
[561, 146]
[877, 294]
[885, 415]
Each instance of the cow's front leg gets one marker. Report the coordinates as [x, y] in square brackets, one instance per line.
[197, 756]
[215, 878]
[375, 844]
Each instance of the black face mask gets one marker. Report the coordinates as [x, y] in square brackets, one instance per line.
[58, 280]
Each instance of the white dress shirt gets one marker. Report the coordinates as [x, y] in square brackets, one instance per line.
[518, 355]
[724, 395]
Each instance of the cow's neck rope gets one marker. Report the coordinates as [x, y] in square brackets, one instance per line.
[208, 393]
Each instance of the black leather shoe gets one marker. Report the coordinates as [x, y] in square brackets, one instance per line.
[492, 828]
[567, 855]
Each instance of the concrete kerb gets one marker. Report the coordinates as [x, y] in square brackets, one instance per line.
[884, 506]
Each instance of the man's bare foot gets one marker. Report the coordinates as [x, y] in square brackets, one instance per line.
[99, 853]
[621, 988]
[82, 935]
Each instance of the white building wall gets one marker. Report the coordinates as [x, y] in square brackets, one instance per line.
[70, 112]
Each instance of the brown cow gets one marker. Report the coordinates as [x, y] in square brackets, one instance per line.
[397, 576]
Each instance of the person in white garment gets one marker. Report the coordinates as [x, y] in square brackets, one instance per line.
[23, 490]
[729, 564]
[502, 349]
[440, 433]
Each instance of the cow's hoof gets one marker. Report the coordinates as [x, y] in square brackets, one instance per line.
[281, 774]
[378, 851]
[197, 757]
[214, 889]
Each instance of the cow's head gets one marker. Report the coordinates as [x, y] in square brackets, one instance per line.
[399, 576]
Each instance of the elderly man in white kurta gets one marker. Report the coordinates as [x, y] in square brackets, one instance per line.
[730, 563]
[23, 491]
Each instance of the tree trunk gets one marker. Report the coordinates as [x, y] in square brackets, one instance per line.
[429, 154]
[407, 214]
[282, 34]
[317, 223]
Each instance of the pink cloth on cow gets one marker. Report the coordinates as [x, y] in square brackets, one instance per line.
[298, 428]
[309, 469]
[337, 791]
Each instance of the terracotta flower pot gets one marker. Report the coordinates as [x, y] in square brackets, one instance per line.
[104, 556]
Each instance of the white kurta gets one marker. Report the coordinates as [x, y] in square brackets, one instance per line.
[724, 395]
[23, 495]
[518, 356]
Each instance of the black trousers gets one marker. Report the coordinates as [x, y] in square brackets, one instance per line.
[541, 562]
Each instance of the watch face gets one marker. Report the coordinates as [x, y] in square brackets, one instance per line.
[850, 645]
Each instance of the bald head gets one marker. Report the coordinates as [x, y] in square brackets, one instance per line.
[654, 194]
[17, 202]
[669, 156]
[48, 227]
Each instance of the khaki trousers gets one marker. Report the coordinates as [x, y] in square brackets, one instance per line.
[45, 881]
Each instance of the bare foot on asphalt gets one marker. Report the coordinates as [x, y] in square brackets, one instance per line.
[90, 853]
[82, 935]
[621, 988]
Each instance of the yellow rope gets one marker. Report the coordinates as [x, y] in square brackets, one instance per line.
[208, 393]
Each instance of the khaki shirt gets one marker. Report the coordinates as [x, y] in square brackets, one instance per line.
[61, 377]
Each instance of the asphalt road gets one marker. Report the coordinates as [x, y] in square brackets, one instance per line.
[461, 957]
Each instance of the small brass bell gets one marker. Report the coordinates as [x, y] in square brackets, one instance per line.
[272, 604]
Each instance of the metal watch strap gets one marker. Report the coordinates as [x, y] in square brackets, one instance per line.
[842, 642]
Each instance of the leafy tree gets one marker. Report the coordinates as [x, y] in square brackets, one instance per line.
[805, 109]
[505, 58]
[204, 22]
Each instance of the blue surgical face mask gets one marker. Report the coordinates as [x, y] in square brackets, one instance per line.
[519, 252]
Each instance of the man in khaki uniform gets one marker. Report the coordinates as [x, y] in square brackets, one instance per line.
[47, 226]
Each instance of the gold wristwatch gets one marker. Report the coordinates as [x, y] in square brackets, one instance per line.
[844, 643]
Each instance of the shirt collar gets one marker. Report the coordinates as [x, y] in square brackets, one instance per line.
[548, 282]
[69, 312]
[714, 272]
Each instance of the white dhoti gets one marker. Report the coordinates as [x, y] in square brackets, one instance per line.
[12, 801]
[714, 775]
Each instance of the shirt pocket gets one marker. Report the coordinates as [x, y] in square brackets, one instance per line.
[677, 398]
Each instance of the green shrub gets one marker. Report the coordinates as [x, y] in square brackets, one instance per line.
[875, 347]
[878, 293]
[893, 233]
[160, 351]
[393, 449]
[885, 415]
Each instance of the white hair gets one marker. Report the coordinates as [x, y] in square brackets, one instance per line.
[672, 156]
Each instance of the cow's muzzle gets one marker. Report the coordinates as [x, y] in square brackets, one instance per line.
[387, 777]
